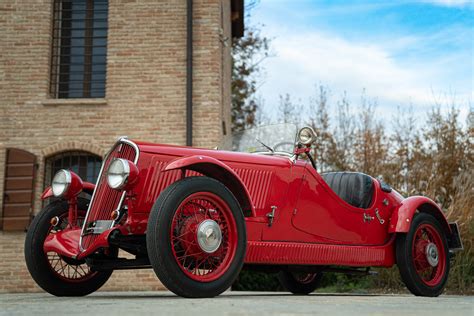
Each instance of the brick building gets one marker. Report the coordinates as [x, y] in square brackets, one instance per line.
[76, 74]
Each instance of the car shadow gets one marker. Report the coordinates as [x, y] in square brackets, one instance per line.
[273, 294]
[225, 295]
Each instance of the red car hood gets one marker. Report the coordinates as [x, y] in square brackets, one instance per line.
[230, 156]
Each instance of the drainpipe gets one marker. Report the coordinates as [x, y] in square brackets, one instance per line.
[189, 73]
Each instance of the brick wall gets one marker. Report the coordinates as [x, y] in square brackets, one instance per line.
[145, 92]
[14, 276]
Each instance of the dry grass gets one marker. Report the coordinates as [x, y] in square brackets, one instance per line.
[461, 277]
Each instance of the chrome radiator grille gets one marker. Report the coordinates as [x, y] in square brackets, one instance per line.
[105, 200]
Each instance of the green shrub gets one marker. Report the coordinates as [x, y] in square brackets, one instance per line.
[249, 280]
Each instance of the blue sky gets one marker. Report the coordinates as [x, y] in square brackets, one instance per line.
[402, 52]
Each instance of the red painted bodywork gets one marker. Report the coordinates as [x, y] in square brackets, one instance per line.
[214, 168]
[402, 217]
[75, 187]
[66, 243]
[311, 224]
[86, 187]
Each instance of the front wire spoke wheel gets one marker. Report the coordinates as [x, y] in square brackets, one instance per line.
[56, 274]
[203, 235]
[196, 237]
[70, 272]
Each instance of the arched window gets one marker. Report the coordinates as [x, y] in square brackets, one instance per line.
[83, 163]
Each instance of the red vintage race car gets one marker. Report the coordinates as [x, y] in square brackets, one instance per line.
[198, 216]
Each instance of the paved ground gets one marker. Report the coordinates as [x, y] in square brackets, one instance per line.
[234, 303]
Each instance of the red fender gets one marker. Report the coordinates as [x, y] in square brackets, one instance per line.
[47, 193]
[218, 170]
[66, 243]
[402, 217]
[86, 187]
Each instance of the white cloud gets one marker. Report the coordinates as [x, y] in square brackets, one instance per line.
[304, 60]
[449, 3]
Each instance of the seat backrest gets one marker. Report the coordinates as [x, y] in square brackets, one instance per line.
[355, 188]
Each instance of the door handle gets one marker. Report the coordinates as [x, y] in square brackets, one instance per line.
[367, 218]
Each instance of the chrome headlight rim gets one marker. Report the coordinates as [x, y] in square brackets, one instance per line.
[311, 138]
[124, 174]
[66, 183]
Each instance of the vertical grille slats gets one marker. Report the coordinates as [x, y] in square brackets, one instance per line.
[105, 199]
[258, 184]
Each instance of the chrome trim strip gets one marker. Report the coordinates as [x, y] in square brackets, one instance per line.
[121, 140]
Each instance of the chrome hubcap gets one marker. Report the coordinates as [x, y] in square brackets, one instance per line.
[432, 254]
[209, 236]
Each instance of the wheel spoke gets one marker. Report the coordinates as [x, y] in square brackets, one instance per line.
[83, 270]
[199, 264]
[189, 255]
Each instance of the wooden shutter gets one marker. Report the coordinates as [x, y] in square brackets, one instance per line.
[18, 190]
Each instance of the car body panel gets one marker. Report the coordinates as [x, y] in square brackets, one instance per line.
[214, 168]
[292, 216]
[403, 215]
[86, 187]
[297, 253]
[322, 213]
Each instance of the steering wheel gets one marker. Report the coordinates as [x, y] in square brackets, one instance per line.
[275, 148]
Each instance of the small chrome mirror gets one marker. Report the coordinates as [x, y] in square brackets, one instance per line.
[306, 136]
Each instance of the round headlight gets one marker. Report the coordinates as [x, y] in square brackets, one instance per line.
[306, 136]
[118, 173]
[61, 182]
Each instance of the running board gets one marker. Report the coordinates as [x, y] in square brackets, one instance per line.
[293, 253]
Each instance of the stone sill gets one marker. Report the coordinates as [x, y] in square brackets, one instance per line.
[79, 102]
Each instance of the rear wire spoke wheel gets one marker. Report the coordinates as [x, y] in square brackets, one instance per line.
[56, 274]
[196, 237]
[422, 256]
[300, 282]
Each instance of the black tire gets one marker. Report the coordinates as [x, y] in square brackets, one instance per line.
[406, 264]
[160, 250]
[295, 283]
[38, 263]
